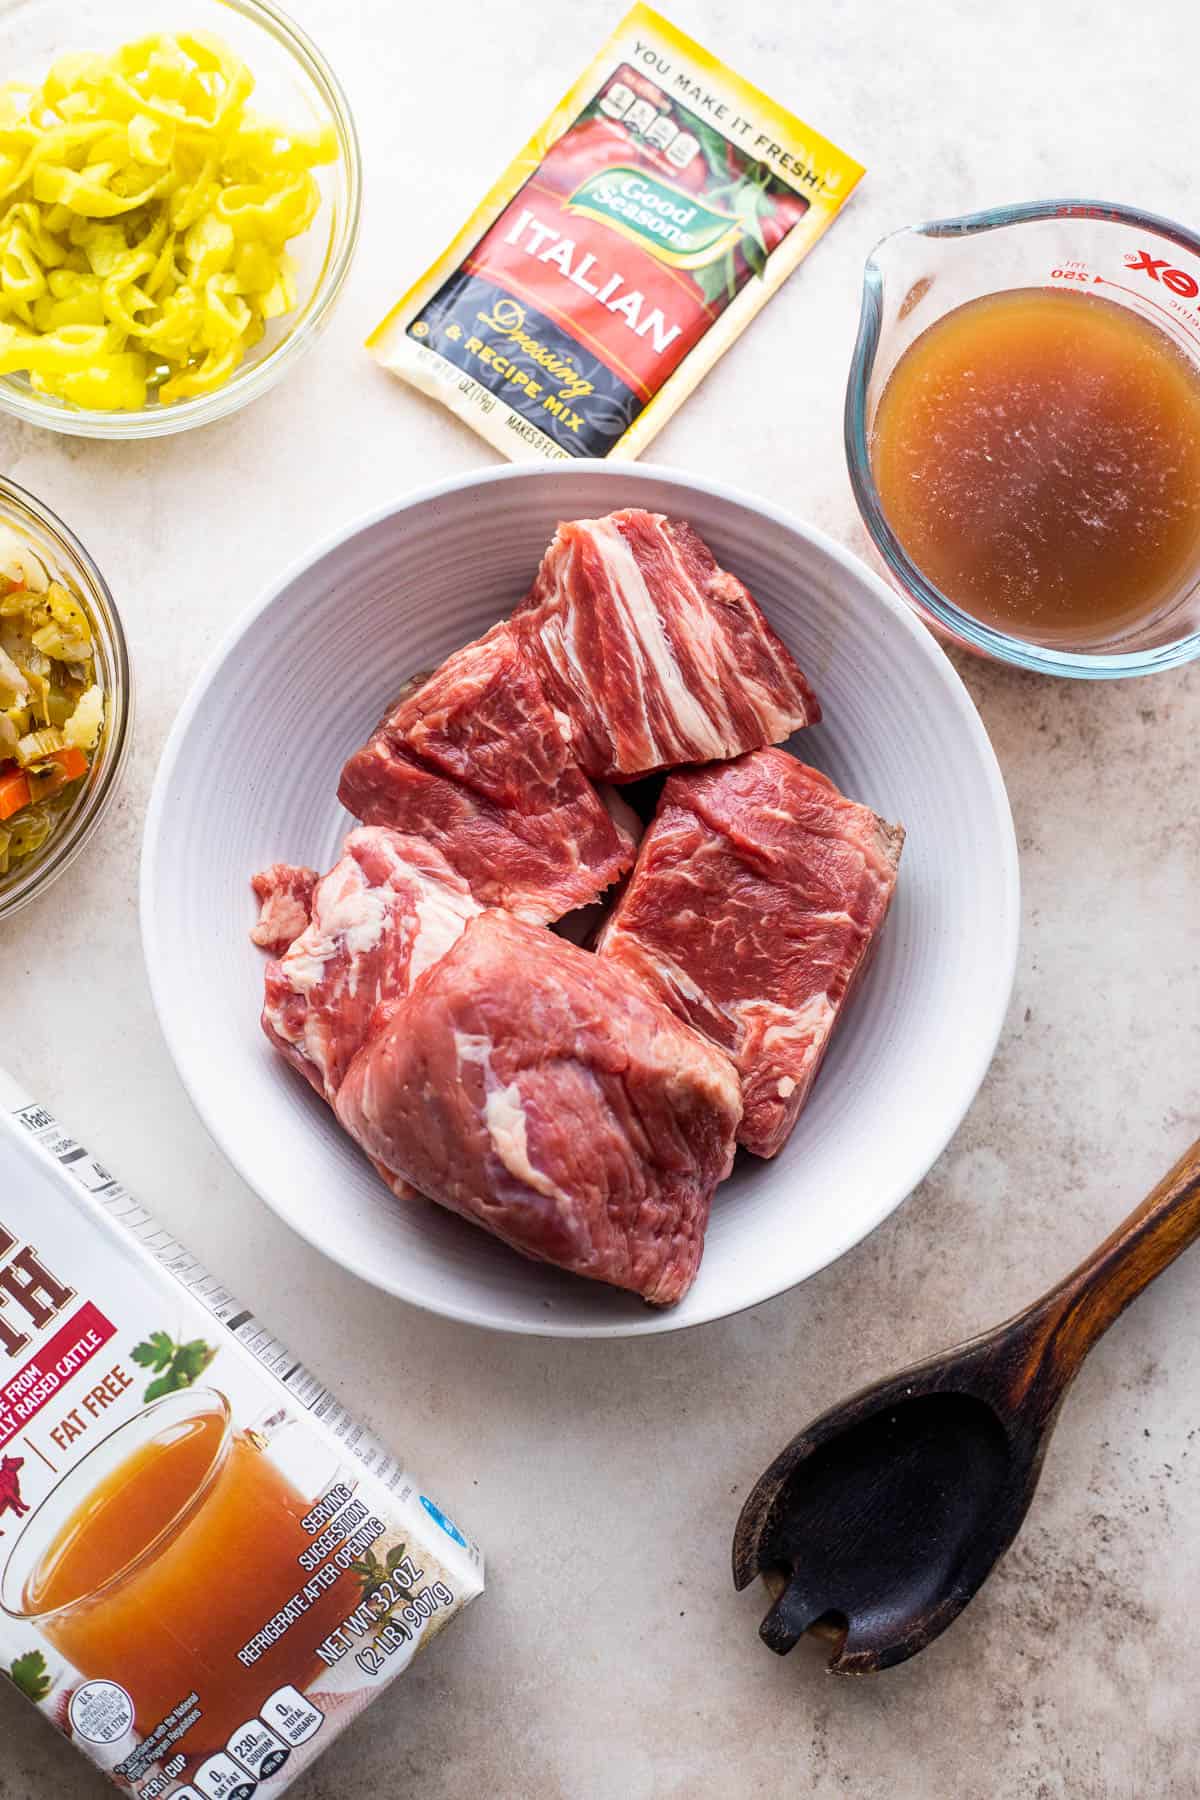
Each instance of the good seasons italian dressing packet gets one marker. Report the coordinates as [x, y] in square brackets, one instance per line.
[634, 237]
[207, 1568]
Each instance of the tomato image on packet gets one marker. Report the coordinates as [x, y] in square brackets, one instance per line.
[619, 255]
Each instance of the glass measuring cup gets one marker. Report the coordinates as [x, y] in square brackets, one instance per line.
[915, 276]
[166, 1614]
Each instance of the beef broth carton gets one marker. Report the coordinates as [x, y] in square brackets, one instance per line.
[207, 1568]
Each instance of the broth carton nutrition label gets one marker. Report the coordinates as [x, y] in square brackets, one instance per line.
[207, 1567]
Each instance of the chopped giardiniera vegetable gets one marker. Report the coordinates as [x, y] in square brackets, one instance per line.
[20, 566]
[14, 793]
[49, 779]
[51, 702]
[36, 746]
[30, 830]
[14, 686]
[82, 729]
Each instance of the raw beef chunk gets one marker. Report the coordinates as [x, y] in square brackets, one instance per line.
[757, 893]
[389, 908]
[656, 654]
[475, 760]
[285, 892]
[551, 1099]
[538, 866]
[633, 652]
[483, 718]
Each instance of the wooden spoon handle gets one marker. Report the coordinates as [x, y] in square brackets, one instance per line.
[1076, 1313]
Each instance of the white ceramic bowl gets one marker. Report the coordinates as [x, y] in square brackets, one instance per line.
[249, 777]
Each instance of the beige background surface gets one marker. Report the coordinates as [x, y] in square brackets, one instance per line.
[611, 1657]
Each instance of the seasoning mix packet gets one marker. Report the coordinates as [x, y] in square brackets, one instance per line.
[622, 251]
[207, 1567]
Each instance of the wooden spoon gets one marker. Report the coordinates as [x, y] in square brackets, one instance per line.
[882, 1519]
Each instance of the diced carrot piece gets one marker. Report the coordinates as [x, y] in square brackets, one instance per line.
[16, 791]
[72, 761]
[14, 794]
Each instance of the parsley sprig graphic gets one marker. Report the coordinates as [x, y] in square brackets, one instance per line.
[29, 1673]
[174, 1365]
[372, 1574]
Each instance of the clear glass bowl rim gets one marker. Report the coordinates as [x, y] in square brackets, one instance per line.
[65, 845]
[1089, 666]
[249, 383]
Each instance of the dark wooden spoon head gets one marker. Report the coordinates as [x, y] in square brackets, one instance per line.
[881, 1520]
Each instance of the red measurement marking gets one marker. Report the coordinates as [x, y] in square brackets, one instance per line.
[1147, 301]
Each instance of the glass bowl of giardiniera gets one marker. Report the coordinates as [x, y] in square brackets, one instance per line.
[65, 697]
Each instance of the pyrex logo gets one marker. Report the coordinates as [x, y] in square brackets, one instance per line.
[1159, 269]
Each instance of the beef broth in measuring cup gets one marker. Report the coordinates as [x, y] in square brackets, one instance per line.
[1023, 432]
[1037, 453]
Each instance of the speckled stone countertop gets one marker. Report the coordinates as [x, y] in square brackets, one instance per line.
[610, 1659]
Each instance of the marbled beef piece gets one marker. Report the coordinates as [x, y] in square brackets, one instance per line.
[757, 894]
[285, 894]
[550, 1098]
[476, 760]
[633, 652]
[655, 654]
[391, 906]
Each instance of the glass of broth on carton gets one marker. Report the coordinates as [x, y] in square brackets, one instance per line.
[1023, 433]
[122, 1571]
[208, 1568]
